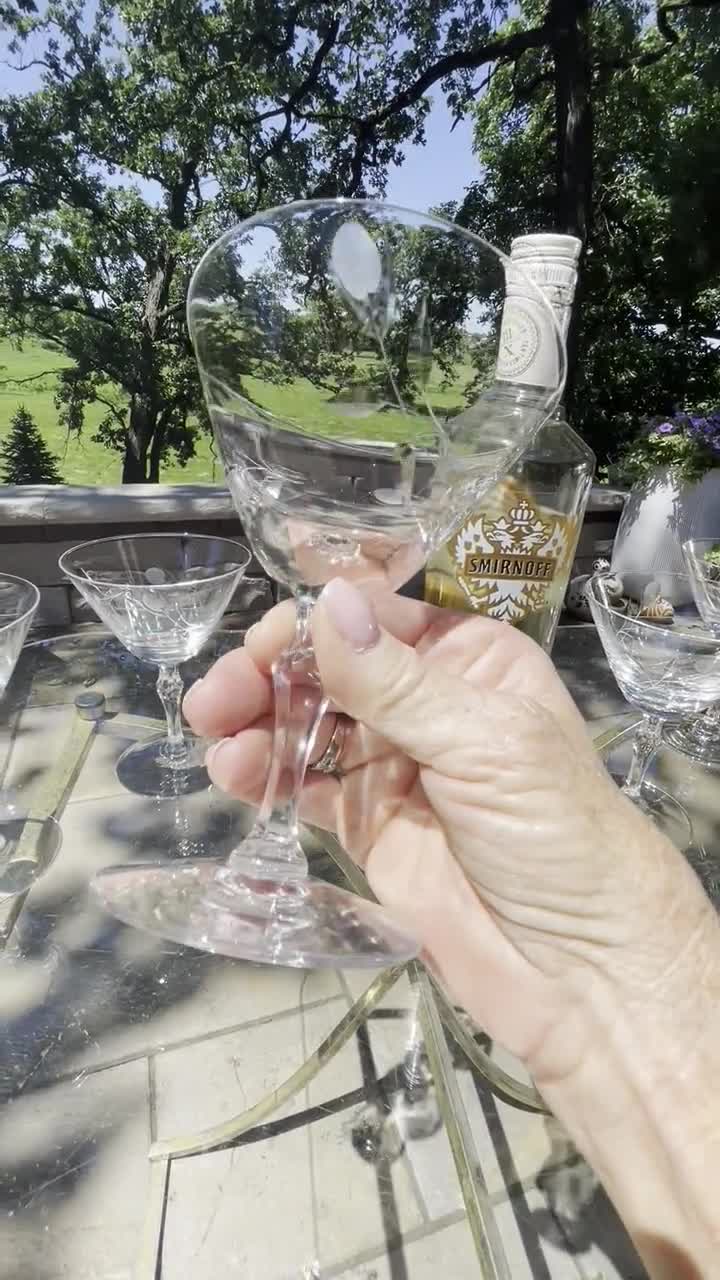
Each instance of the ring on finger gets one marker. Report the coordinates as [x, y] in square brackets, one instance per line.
[330, 760]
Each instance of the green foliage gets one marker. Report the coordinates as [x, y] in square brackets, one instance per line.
[24, 456]
[648, 452]
[650, 282]
[689, 443]
[157, 125]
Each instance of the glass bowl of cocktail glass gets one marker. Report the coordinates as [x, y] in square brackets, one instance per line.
[162, 595]
[700, 737]
[666, 661]
[326, 334]
[28, 842]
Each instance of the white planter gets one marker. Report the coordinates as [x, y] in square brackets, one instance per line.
[658, 516]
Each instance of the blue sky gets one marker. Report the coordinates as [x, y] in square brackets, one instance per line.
[441, 169]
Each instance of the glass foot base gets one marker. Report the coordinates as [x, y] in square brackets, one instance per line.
[304, 924]
[667, 813]
[147, 770]
[692, 741]
[28, 846]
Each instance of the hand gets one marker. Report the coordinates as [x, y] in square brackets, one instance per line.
[473, 798]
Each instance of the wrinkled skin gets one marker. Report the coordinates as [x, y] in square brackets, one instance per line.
[472, 797]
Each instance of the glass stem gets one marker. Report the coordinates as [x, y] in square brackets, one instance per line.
[273, 847]
[170, 691]
[645, 743]
[707, 725]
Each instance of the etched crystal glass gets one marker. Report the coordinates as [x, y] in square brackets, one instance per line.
[162, 595]
[28, 844]
[700, 737]
[362, 404]
[667, 664]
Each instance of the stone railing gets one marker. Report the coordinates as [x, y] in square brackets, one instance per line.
[39, 522]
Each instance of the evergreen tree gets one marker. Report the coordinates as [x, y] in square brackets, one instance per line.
[24, 456]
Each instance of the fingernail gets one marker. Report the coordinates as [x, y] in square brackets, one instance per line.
[351, 615]
[190, 695]
[213, 751]
[249, 631]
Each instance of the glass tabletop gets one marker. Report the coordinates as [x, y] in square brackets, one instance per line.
[166, 1113]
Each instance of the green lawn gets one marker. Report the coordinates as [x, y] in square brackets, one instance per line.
[84, 462]
[81, 461]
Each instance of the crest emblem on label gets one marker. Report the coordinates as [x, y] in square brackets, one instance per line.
[507, 558]
[519, 341]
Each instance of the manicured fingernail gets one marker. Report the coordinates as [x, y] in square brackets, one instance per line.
[213, 751]
[189, 697]
[351, 615]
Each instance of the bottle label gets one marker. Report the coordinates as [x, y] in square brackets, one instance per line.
[508, 555]
[527, 352]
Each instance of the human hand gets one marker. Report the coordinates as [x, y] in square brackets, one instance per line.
[472, 796]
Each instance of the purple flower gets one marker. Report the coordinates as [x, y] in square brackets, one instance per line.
[667, 429]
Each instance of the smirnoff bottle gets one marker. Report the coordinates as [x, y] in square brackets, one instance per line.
[512, 558]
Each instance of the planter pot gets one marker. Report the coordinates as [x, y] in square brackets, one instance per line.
[659, 515]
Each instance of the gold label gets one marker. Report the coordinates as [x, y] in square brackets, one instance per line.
[508, 555]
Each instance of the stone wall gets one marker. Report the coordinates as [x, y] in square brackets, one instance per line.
[39, 522]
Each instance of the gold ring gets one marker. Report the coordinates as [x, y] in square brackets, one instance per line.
[329, 761]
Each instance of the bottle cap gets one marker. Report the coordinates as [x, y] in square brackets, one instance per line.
[528, 352]
[550, 261]
[546, 244]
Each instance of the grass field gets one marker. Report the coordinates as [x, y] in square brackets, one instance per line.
[81, 461]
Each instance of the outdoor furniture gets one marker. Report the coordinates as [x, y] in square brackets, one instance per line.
[167, 1113]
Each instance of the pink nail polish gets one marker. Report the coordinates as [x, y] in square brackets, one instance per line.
[190, 695]
[351, 614]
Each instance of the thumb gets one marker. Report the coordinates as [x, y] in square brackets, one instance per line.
[374, 677]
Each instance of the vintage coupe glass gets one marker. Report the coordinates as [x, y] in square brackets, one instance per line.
[700, 738]
[363, 397]
[27, 844]
[162, 595]
[669, 670]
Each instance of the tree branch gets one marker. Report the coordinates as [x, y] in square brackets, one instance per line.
[70, 307]
[35, 62]
[506, 47]
[18, 382]
[674, 5]
[119, 414]
[651, 56]
[470, 97]
[321, 53]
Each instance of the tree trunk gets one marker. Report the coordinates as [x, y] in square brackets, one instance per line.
[141, 429]
[570, 42]
[133, 467]
[156, 449]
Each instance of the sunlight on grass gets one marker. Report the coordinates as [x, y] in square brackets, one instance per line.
[83, 461]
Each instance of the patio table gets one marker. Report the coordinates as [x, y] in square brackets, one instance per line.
[167, 1114]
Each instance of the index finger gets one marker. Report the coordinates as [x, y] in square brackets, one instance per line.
[406, 619]
[237, 690]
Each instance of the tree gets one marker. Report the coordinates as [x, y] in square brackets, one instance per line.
[155, 126]
[24, 456]
[611, 131]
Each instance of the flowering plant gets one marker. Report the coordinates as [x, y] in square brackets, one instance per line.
[689, 443]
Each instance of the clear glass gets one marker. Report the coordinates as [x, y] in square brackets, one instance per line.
[667, 664]
[511, 559]
[326, 334]
[700, 738]
[162, 595]
[28, 844]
